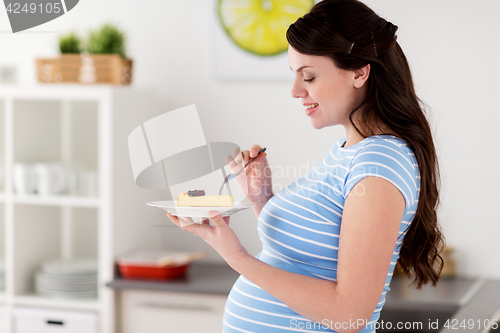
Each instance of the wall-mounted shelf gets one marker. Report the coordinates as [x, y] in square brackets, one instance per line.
[52, 200]
[88, 124]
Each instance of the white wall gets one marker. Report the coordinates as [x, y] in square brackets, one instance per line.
[453, 49]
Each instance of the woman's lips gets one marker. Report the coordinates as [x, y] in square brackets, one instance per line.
[311, 108]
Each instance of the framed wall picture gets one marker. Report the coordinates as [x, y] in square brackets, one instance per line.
[248, 37]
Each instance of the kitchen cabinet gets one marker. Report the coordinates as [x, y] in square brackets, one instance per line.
[30, 320]
[153, 312]
[70, 123]
[194, 303]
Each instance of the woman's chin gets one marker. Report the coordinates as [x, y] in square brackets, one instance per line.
[317, 125]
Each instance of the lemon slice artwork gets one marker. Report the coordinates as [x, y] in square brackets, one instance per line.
[259, 26]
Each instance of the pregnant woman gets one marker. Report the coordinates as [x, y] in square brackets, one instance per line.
[331, 240]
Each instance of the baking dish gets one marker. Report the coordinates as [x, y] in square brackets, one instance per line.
[156, 265]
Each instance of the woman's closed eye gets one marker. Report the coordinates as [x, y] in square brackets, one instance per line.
[309, 80]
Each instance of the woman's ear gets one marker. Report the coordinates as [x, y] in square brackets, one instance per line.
[361, 76]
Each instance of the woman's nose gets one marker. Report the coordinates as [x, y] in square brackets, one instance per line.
[297, 91]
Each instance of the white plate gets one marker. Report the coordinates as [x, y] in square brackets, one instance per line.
[64, 286]
[57, 289]
[44, 293]
[68, 279]
[171, 207]
[71, 266]
[66, 292]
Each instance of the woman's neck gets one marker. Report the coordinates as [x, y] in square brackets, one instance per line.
[353, 137]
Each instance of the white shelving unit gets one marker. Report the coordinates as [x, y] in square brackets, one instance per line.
[89, 124]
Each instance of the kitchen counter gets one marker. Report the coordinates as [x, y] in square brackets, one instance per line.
[455, 292]
[465, 298]
[479, 310]
[465, 302]
[201, 278]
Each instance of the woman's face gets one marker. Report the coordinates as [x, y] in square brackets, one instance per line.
[328, 93]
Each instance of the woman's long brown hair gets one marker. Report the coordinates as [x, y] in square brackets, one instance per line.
[353, 36]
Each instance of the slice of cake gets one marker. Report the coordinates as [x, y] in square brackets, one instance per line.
[197, 198]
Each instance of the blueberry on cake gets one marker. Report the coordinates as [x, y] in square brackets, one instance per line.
[197, 198]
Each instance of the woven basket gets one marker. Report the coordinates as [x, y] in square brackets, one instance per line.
[86, 69]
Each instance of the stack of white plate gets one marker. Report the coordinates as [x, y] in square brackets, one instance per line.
[2, 275]
[76, 278]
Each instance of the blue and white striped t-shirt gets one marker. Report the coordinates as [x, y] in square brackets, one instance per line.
[299, 228]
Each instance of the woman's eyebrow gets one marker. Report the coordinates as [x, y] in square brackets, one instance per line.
[301, 68]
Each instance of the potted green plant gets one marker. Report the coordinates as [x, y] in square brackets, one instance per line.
[66, 67]
[101, 60]
[106, 60]
[107, 40]
[70, 43]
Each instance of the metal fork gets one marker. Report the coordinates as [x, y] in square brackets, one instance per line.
[231, 175]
